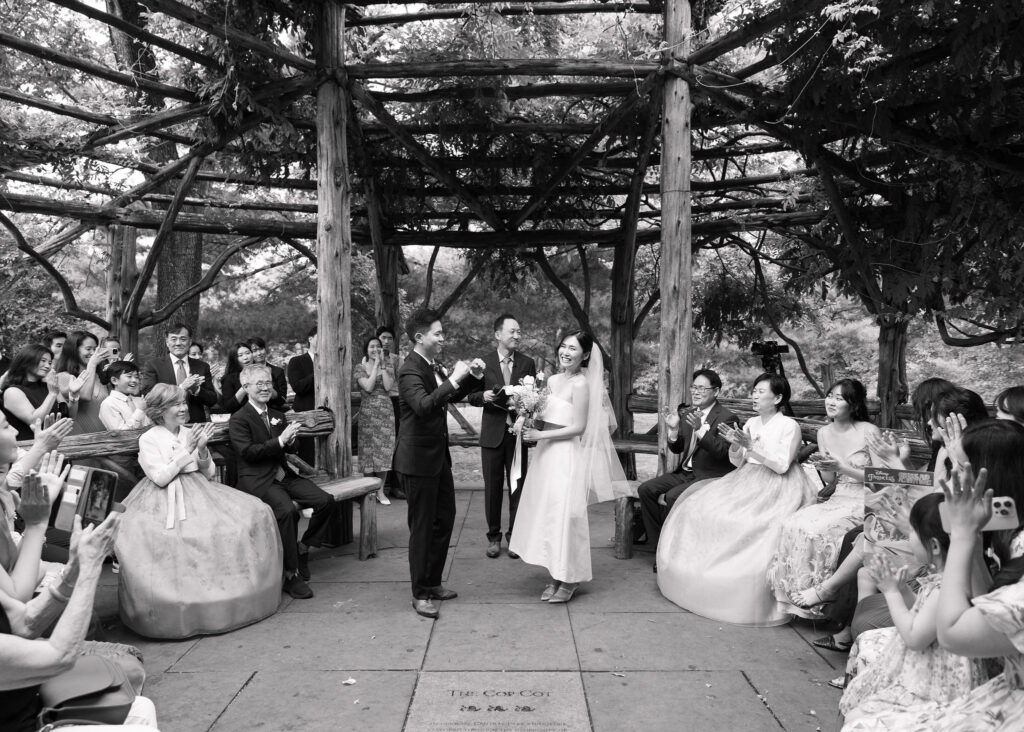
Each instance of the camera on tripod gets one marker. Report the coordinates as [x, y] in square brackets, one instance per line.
[771, 355]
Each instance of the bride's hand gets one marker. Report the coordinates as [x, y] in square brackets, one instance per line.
[531, 435]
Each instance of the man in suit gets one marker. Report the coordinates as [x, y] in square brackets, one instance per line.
[258, 348]
[497, 446]
[300, 376]
[422, 460]
[705, 452]
[190, 374]
[261, 436]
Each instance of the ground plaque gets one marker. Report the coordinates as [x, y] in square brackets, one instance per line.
[519, 701]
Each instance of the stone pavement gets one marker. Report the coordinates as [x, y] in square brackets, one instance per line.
[356, 657]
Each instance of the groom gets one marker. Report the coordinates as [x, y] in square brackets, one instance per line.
[422, 461]
[497, 445]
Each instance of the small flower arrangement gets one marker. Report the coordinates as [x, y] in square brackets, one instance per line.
[527, 398]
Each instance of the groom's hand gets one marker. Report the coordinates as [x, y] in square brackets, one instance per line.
[459, 372]
[476, 368]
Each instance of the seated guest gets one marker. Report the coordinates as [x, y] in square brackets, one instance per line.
[705, 452]
[31, 392]
[373, 377]
[1010, 404]
[893, 668]
[232, 395]
[718, 540]
[300, 376]
[196, 556]
[279, 399]
[27, 659]
[808, 551]
[53, 340]
[968, 623]
[78, 377]
[175, 367]
[124, 409]
[261, 437]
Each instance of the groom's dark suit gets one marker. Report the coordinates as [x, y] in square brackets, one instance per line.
[263, 472]
[497, 445]
[710, 459]
[424, 467]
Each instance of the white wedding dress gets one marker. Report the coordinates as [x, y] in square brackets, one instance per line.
[551, 528]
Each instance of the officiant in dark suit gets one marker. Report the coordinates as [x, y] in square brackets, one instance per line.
[177, 368]
[261, 437]
[502, 367]
[695, 437]
[422, 461]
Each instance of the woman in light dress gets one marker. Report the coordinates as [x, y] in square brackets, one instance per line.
[197, 557]
[808, 551]
[80, 379]
[718, 539]
[374, 376]
[572, 466]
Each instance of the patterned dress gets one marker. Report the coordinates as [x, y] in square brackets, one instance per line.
[376, 424]
[808, 550]
[996, 705]
[888, 676]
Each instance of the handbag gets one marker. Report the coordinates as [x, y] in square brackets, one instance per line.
[94, 691]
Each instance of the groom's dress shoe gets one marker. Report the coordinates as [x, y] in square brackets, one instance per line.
[425, 608]
[440, 593]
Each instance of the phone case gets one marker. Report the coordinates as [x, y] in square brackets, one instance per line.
[1004, 515]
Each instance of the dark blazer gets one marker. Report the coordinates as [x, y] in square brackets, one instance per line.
[300, 376]
[160, 371]
[493, 424]
[279, 402]
[259, 452]
[422, 444]
[711, 458]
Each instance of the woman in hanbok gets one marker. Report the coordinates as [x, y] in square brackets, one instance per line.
[197, 557]
[808, 551]
[573, 465]
[720, 536]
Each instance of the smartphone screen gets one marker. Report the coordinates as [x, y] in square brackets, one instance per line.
[98, 498]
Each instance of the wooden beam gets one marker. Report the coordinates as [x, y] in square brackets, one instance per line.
[749, 31]
[95, 69]
[143, 35]
[522, 91]
[445, 176]
[607, 125]
[218, 28]
[622, 6]
[501, 67]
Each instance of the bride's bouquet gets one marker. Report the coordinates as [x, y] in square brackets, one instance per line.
[527, 399]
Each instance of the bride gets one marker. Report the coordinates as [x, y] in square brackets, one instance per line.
[572, 466]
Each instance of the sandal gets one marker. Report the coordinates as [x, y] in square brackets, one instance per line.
[818, 593]
[564, 594]
[838, 683]
[829, 643]
[549, 591]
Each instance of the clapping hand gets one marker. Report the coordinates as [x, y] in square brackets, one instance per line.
[734, 436]
[951, 432]
[52, 473]
[191, 382]
[99, 356]
[54, 430]
[887, 447]
[34, 505]
[476, 368]
[290, 432]
[825, 462]
[968, 503]
[694, 419]
[671, 419]
[202, 434]
[885, 573]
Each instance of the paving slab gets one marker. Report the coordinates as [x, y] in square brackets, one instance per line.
[684, 642]
[501, 580]
[670, 701]
[383, 639]
[348, 599]
[321, 701]
[158, 656]
[463, 701]
[622, 585]
[390, 565]
[502, 637]
[801, 699]
[187, 702]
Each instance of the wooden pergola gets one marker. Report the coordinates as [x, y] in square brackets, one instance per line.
[612, 170]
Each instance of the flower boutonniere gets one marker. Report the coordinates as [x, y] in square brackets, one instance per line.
[275, 421]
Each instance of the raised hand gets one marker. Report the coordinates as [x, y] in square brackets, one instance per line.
[824, 461]
[885, 573]
[52, 387]
[693, 419]
[52, 435]
[53, 472]
[459, 371]
[95, 542]
[34, 506]
[476, 368]
[290, 432]
[128, 357]
[203, 434]
[734, 436]
[671, 418]
[99, 356]
[968, 503]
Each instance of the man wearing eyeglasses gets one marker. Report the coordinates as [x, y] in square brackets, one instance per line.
[693, 433]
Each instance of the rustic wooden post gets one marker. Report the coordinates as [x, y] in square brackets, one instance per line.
[121, 274]
[676, 274]
[386, 263]
[333, 369]
[623, 314]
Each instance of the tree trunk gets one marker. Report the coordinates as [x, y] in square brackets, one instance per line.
[122, 242]
[333, 374]
[385, 259]
[892, 366]
[676, 281]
